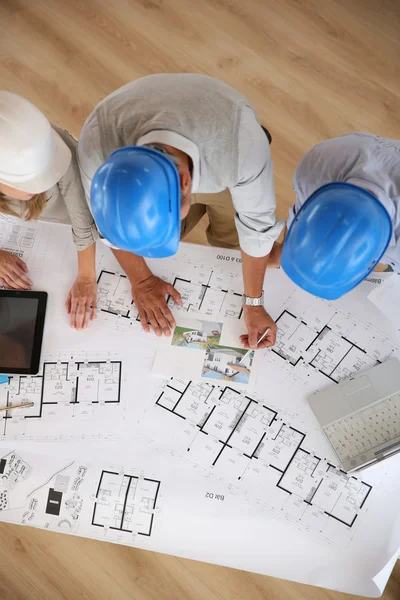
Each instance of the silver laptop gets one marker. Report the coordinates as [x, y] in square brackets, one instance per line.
[361, 416]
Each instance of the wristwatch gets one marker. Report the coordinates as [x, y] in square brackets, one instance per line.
[248, 301]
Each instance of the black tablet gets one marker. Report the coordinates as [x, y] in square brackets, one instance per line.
[21, 331]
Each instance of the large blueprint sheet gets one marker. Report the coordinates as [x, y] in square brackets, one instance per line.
[202, 469]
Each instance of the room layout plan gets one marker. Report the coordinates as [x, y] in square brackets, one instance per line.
[93, 499]
[125, 503]
[68, 395]
[213, 295]
[254, 447]
[16, 237]
[115, 295]
[29, 241]
[205, 290]
[328, 340]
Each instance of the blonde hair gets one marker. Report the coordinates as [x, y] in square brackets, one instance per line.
[34, 207]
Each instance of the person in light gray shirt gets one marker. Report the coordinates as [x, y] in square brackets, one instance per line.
[213, 136]
[363, 162]
[40, 179]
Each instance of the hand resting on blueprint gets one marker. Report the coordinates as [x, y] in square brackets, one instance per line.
[81, 303]
[13, 272]
[257, 321]
[149, 296]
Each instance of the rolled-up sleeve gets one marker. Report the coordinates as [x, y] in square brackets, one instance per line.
[254, 195]
[84, 230]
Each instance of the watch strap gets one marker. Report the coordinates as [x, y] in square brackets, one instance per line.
[249, 301]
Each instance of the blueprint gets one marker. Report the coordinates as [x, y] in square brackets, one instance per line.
[386, 298]
[205, 290]
[73, 396]
[261, 451]
[28, 241]
[78, 497]
[198, 468]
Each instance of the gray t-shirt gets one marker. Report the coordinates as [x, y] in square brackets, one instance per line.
[66, 202]
[363, 159]
[210, 121]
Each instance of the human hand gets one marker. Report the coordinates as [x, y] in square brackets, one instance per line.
[12, 272]
[149, 296]
[257, 321]
[81, 303]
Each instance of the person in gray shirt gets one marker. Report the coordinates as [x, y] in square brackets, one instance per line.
[213, 136]
[346, 217]
[40, 179]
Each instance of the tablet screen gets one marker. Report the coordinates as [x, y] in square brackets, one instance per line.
[21, 327]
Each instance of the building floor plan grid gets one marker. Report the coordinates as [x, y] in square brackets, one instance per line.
[28, 241]
[204, 290]
[328, 340]
[115, 295]
[125, 503]
[79, 498]
[240, 439]
[65, 390]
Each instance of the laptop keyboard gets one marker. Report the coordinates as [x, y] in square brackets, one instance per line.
[364, 430]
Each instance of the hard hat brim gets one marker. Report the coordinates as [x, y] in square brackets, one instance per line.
[56, 169]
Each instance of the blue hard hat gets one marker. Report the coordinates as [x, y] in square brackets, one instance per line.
[335, 240]
[135, 201]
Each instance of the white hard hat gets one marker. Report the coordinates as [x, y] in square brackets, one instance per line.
[33, 157]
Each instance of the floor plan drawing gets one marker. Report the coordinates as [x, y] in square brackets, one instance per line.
[125, 503]
[68, 397]
[331, 342]
[115, 295]
[205, 290]
[28, 241]
[252, 446]
[17, 238]
[90, 499]
[214, 295]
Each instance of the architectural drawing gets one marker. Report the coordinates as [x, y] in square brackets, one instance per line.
[13, 470]
[115, 295]
[28, 241]
[215, 295]
[251, 445]
[17, 237]
[125, 503]
[205, 290]
[331, 342]
[100, 501]
[69, 397]
[57, 503]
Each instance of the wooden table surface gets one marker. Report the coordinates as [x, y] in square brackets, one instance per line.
[314, 69]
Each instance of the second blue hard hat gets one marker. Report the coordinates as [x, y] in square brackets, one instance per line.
[135, 201]
[335, 240]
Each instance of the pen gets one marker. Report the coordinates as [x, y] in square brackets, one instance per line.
[25, 405]
[260, 339]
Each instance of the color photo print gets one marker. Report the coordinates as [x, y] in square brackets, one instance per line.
[226, 363]
[207, 333]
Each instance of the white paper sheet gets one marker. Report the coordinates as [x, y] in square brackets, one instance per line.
[386, 298]
[203, 511]
[74, 395]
